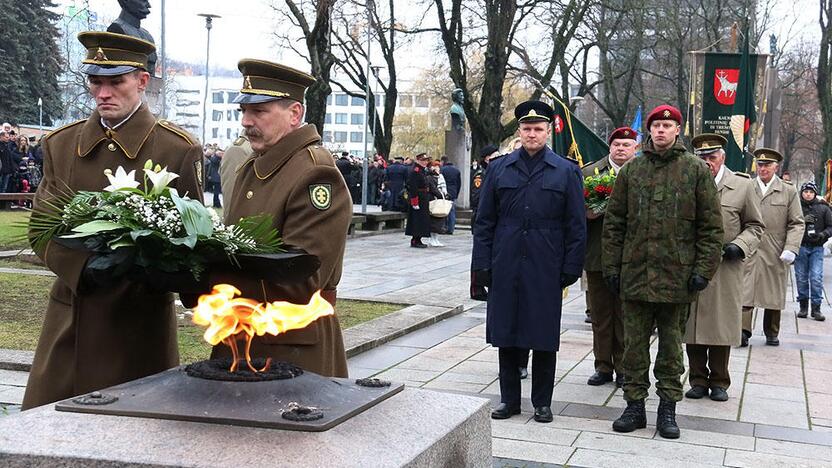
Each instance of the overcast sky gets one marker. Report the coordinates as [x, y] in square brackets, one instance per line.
[245, 29]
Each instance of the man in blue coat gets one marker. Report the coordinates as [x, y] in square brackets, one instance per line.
[396, 176]
[529, 242]
[453, 180]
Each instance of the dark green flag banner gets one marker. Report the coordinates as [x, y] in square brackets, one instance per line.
[722, 96]
[743, 114]
[573, 139]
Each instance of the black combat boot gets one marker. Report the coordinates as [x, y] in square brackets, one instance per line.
[634, 417]
[816, 313]
[666, 420]
[804, 308]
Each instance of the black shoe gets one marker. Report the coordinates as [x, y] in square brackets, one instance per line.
[503, 411]
[772, 341]
[418, 244]
[599, 378]
[804, 308]
[588, 318]
[719, 394]
[666, 420]
[744, 340]
[816, 313]
[634, 417]
[619, 380]
[696, 392]
[543, 414]
[524, 373]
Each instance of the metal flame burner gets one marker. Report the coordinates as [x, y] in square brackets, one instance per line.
[288, 403]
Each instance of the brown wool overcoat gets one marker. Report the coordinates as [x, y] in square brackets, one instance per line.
[765, 274]
[715, 316]
[96, 339]
[296, 181]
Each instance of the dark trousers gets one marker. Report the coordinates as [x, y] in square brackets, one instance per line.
[709, 365]
[607, 325]
[543, 375]
[771, 321]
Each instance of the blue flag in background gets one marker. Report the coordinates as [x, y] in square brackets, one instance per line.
[636, 125]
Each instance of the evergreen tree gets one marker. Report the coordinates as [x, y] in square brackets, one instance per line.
[30, 61]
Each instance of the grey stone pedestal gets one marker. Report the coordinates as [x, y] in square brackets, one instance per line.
[415, 428]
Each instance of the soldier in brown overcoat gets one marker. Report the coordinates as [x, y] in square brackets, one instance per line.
[97, 335]
[607, 327]
[767, 270]
[294, 179]
[713, 325]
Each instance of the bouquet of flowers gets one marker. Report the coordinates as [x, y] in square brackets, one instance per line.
[149, 224]
[597, 190]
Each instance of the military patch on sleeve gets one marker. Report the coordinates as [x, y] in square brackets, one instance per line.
[321, 196]
[477, 181]
[198, 170]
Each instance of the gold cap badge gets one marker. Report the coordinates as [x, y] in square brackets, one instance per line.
[666, 113]
[247, 83]
[99, 55]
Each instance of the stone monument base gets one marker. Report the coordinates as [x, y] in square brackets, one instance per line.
[415, 428]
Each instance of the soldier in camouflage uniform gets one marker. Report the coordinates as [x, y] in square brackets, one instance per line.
[661, 244]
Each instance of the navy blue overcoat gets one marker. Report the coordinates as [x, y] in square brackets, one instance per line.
[530, 229]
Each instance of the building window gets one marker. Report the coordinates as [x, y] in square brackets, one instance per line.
[421, 101]
[217, 99]
[357, 101]
[340, 118]
[341, 99]
[379, 100]
[329, 100]
[215, 132]
[228, 133]
[355, 137]
[357, 119]
[232, 95]
[340, 137]
[405, 101]
[228, 115]
[328, 119]
[237, 115]
[216, 116]
[327, 137]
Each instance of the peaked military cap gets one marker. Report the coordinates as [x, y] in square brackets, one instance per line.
[534, 111]
[767, 155]
[707, 143]
[265, 81]
[664, 112]
[622, 133]
[111, 54]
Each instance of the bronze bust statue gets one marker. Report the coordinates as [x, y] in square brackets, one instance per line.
[129, 23]
[456, 111]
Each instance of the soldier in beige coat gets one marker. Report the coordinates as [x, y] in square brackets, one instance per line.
[103, 330]
[294, 179]
[715, 317]
[234, 157]
[766, 271]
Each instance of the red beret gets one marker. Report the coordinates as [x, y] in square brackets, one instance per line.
[622, 133]
[664, 112]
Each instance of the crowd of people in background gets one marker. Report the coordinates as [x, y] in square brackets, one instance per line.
[21, 164]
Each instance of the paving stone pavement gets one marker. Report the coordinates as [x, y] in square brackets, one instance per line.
[779, 413]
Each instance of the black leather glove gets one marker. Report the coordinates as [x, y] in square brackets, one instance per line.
[732, 252]
[105, 269]
[697, 283]
[614, 283]
[479, 285]
[481, 278]
[815, 236]
[182, 282]
[567, 280]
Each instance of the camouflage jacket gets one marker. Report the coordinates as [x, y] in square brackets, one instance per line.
[663, 223]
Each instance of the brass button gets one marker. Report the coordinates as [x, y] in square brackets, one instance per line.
[249, 194]
[111, 147]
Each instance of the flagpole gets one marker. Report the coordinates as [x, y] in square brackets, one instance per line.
[567, 113]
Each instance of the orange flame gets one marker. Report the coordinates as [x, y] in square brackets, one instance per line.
[228, 316]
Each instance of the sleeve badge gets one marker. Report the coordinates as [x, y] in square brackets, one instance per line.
[198, 170]
[321, 196]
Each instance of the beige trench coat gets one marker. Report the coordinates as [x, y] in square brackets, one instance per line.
[765, 274]
[716, 315]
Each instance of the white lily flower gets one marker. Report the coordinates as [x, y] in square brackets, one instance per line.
[121, 180]
[160, 179]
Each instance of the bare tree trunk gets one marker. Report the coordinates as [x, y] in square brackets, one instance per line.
[823, 77]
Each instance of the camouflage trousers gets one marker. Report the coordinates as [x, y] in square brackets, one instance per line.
[639, 319]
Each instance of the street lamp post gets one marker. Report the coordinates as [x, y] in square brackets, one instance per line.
[365, 164]
[40, 116]
[209, 17]
[375, 69]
